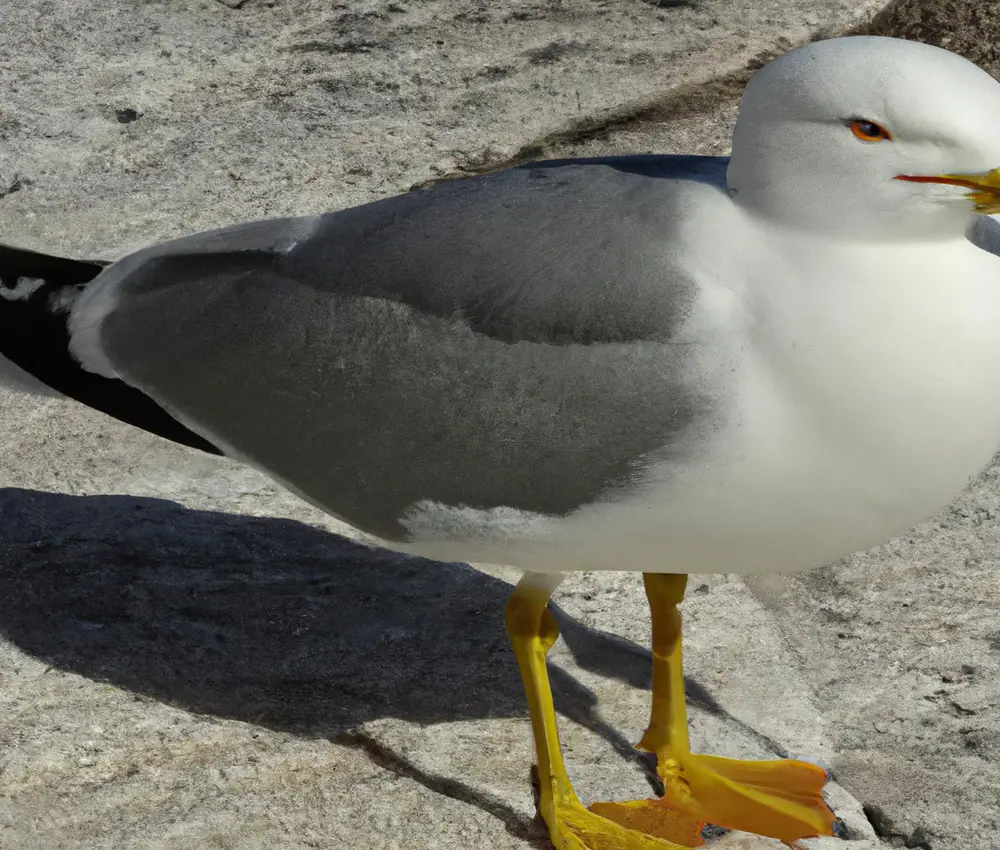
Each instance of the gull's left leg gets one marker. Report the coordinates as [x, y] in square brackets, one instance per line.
[781, 799]
[532, 631]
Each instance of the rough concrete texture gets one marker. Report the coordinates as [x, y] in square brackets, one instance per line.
[192, 658]
[130, 122]
[968, 27]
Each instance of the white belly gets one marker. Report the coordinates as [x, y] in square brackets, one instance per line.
[867, 398]
[863, 402]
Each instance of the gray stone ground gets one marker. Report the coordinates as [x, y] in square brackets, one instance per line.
[192, 658]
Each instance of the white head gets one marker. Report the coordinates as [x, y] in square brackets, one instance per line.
[826, 132]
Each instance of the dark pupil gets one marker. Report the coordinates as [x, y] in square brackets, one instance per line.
[869, 129]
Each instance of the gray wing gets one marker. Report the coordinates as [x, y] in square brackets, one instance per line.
[497, 341]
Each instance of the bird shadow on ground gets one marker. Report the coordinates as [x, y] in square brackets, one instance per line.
[277, 623]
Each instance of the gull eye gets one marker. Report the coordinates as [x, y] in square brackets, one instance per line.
[869, 131]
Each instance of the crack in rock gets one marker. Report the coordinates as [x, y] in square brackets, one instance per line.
[10, 185]
[886, 829]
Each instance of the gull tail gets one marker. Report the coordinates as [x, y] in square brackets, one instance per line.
[36, 294]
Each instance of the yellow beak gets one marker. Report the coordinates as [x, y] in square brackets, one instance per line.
[984, 188]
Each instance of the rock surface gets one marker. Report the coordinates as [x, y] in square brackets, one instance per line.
[181, 669]
[967, 27]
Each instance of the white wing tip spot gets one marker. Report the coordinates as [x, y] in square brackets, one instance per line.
[23, 289]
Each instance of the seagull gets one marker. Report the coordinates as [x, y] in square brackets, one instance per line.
[663, 364]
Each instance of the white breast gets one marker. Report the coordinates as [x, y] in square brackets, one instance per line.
[868, 395]
[864, 393]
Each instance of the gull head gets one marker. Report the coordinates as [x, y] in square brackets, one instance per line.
[869, 137]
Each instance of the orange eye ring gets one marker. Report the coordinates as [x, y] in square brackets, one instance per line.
[869, 131]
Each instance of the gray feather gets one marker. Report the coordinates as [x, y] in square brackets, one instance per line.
[501, 340]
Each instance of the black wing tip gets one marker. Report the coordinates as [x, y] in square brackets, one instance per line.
[23, 262]
[34, 336]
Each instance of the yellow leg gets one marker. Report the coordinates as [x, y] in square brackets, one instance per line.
[781, 799]
[532, 631]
